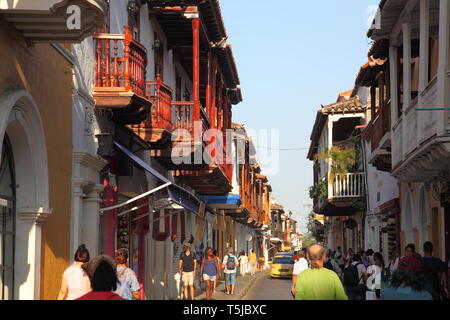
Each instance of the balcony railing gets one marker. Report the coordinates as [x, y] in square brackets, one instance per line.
[121, 63]
[160, 95]
[350, 185]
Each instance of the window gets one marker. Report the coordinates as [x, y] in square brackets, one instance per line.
[7, 221]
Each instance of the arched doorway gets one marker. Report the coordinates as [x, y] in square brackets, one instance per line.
[7, 221]
[22, 139]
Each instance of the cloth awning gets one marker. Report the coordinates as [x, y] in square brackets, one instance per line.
[229, 201]
[176, 194]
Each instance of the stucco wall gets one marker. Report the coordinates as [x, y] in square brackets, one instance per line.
[42, 71]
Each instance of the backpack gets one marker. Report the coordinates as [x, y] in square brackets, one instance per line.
[328, 265]
[351, 277]
[231, 263]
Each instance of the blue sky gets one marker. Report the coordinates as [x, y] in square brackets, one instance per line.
[293, 56]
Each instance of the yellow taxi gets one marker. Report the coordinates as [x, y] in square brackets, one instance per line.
[281, 266]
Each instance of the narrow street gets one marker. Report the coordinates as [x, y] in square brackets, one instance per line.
[267, 288]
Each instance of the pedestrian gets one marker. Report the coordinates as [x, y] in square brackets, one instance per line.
[75, 281]
[339, 256]
[299, 266]
[434, 272]
[354, 279]
[102, 275]
[365, 259]
[331, 264]
[209, 271]
[261, 263]
[411, 260]
[318, 283]
[230, 264]
[348, 257]
[295, 257]
[370, 256]
[242, 263]
[374, 273]
[406, 284]
[187, 266]
[129, 287]
[252, 262]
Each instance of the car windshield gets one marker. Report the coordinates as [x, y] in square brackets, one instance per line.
[282, 260]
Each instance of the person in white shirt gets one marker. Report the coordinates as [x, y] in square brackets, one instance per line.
[374, 277]
[299, 266]
[75, 281]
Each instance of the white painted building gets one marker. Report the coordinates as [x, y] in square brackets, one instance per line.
[419, 61]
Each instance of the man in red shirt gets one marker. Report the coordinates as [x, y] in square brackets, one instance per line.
[102, 273]
[411, 260]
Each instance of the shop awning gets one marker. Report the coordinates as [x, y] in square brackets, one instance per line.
[229, 201]
[176, 194]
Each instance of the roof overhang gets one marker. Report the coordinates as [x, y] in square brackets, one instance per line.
[54, 21]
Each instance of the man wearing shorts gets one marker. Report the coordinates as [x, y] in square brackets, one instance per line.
[187, 266]
[230, 264]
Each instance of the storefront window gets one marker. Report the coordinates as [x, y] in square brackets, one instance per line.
[7, 222]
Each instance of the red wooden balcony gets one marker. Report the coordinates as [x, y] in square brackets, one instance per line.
[157, 129]
[120, 89]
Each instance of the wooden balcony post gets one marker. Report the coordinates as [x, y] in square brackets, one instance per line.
[196, 68]
[115, 81]
[208, 85]
[98, 80]
[107, 63]
[126, 55]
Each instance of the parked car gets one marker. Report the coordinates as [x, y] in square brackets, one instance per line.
[281, 266]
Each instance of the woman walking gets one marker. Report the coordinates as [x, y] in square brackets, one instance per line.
[209, 272]
[129, 287]
[242, 263]
[75, 281]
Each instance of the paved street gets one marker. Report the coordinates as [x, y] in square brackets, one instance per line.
[266, 288]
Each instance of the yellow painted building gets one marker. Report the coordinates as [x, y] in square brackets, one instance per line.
[36, 137]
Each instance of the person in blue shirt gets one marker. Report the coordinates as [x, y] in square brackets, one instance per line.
[406, 285]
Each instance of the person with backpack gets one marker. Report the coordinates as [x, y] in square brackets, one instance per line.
[354, 279]
[230, 264]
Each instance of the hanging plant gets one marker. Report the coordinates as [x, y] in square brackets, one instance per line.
[341, 161]
[319, 190]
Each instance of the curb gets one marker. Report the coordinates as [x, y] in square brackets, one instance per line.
[252, 283]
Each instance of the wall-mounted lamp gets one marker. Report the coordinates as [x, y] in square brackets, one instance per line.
[131, 5]
[105, 144]
[156, 44]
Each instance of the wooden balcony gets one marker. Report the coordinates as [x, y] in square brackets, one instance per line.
[48, 21]
[378, 132]
[178, 142]
[120, 88]
[157, 129]
[346, 195]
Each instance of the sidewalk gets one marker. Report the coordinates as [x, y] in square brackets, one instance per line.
[243, 284]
